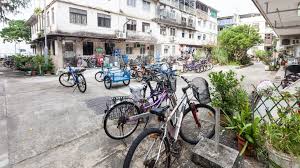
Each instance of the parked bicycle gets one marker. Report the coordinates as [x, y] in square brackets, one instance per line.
[73, 77]
[155, 146]
[123, 118]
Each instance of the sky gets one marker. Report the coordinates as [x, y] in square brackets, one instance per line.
[225, 8]
[229, 7]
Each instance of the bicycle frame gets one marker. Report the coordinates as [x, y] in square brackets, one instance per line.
[74, 75]
[145, 115]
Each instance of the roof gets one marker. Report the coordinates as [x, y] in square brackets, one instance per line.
[281, 15]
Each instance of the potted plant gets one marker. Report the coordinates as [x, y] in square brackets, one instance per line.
[247, 129]
[283, 139]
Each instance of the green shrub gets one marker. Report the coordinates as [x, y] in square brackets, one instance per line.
[264, 56]
[220, 56]
[227, 93]
[36, 63]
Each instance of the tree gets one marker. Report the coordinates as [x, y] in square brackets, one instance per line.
[237, 40]
[16, 31]
[10, 6]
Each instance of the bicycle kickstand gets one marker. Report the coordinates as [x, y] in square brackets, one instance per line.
[74, 89]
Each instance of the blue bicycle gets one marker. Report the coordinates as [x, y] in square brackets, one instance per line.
[73, 77]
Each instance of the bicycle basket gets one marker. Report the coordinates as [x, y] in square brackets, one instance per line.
[202, 92]
[137, 92]
[114, 100]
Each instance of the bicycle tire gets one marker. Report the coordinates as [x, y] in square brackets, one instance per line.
[107, 82]
[82, 90]
[98, 76]
[108, 115]
[139, 139]
[194, 140]
[69, 75]
[126, 82]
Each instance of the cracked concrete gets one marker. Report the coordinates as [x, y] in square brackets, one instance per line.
[51, 126]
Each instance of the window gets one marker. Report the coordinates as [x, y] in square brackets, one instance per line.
[182, 34]
[78, 16]
[204, 23]
[173, 50]
[199, 37]
[199, 22]
[191, 35]
[146, 27]
[213, 13]
[128, 49]
[204, 36]
[166, 49]
[88, 48]
[172, 32]
[142, 49]
[69, 46]
[191, 21]
[131, 3]
[52, 15]
[163, 30]
[104, 20]
[146, 5]
[48, 19]
[183, 20]
[131, 25]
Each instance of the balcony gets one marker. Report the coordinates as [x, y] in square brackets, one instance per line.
[167, 17]
[176, 4]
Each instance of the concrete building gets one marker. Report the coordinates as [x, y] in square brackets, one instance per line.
[253, 19]
[283, 17]
[156, 28]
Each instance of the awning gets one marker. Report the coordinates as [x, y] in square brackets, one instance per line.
[282, 15]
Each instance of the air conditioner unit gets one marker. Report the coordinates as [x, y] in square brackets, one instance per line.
[120, 34]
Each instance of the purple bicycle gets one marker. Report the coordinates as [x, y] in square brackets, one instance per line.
[124, 117]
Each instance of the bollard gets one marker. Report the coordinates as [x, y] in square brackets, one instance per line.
[217, 132]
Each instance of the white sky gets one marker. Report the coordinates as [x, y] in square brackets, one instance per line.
[229, 7]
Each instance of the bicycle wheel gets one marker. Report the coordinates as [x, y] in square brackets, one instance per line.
[81, 83]
[202, 122]
[99, 76]
[107, 82]
[116, 125]
[66, 80]
[145, 149]
[126, 82]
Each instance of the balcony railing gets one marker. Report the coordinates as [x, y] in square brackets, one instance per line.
[179, 6]
[166, 16]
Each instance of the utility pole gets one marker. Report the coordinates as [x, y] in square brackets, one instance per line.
[45, 34]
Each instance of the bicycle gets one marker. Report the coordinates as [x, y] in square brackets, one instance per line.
[165, 138]
[73, 77]
[127, 115]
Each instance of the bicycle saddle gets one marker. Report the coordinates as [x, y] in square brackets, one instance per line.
[159, 111]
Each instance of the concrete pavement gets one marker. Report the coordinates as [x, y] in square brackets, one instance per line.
[49, 125]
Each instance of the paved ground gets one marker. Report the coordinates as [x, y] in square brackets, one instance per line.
[44, 125]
